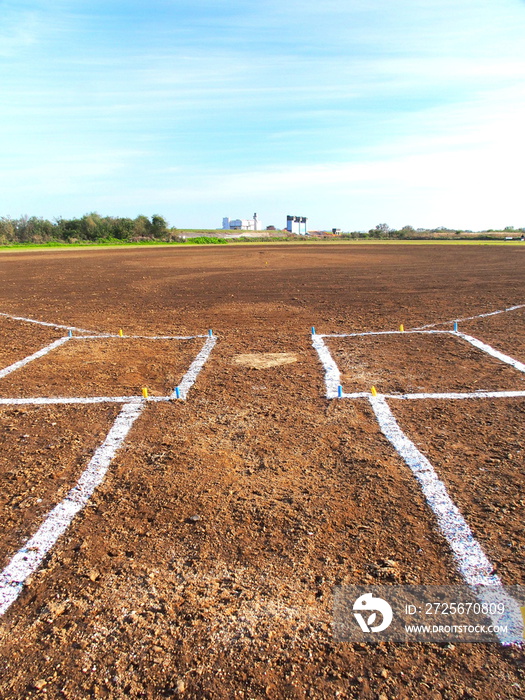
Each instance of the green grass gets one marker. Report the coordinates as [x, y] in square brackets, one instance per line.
[210, 240]
[111, 243]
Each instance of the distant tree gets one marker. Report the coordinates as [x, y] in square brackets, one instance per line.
[7, 230]
[406, 232]
[122, 229]
[380, 231]
[159, 226]
[141, 227]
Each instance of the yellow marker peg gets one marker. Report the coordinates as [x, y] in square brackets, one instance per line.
[120, 332]
[145, 392]
[402, 328]
[373, 391]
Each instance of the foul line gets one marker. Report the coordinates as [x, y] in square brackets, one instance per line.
[473, 318]
[95, 334]
[40, 353]
[491, 351]
[45, 323]
[26, 561]
[472, 562]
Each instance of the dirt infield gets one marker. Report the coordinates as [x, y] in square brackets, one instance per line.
[204, 564]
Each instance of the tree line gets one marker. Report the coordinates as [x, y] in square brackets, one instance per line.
[89, 228]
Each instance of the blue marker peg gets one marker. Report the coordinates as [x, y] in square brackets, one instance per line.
[313, 330]
[70, 334]
[210, 333]
[177, 392]
[339, 392]
[455, 326]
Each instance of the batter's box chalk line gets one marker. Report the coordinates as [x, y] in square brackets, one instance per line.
[333, 376]
[472, 562]
[179, 392]
[30, 556]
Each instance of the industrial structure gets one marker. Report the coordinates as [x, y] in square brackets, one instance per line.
[296, 224]
[242, 224]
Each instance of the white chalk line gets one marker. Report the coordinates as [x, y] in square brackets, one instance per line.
[456, 395]
[40, 353]
[64, 400]
[95, 334]
[473, 318]
[44, 400]
[471, 560]
[332, 376]
[45, 323]
[358, 335]
[139, 337]
[193, 372]
[422, 328]
[29, 557]
[491, 351]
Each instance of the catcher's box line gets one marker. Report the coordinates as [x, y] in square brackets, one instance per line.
[472, 561]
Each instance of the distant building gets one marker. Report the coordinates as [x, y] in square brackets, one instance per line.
[296, 224]
[242, 224]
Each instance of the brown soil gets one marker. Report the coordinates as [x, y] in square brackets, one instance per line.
[294, 494]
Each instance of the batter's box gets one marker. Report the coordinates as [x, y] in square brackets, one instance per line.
[105, 367]
[417, 362]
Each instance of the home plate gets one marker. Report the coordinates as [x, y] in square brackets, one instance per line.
[265, 359]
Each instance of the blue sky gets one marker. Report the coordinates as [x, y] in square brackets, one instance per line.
[350, 112]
